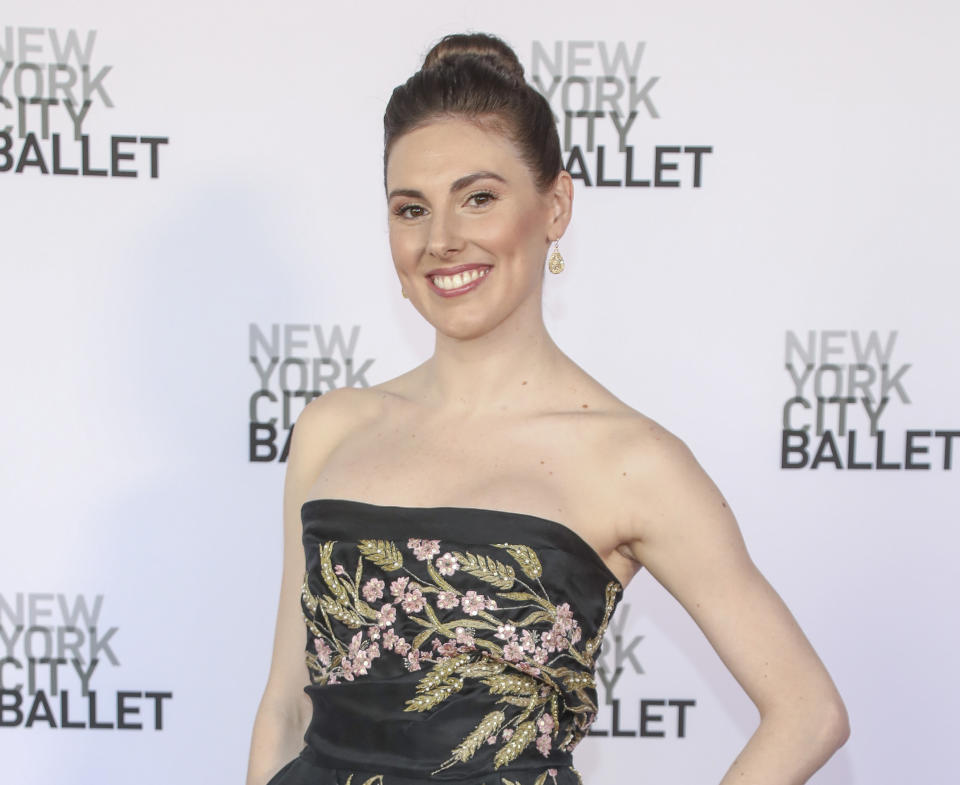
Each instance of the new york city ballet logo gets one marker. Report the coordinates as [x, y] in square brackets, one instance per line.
[295, 363]
[646, 717]
[605, 101]
[55, 647]
[845, 384]
[50, 86]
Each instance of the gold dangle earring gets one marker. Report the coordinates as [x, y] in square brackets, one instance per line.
[404, 293]
[555, 262]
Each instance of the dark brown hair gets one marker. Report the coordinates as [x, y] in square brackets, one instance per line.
[478, 77]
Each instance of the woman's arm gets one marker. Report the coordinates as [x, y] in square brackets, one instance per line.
[688, 538]
[285, 710]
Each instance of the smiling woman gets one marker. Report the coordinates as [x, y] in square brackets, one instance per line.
[457, 538]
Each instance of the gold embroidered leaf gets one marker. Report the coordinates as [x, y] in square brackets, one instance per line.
[524, 703]
[484, 643]
[511, 683]
[533, 618]
[307, 596]
[525, 556]
[487, 569]
[478, 624]
[329, 576]
[488, 726]
[364, 609]
[541, 779]
[432, 614]
[358, 575]
[383, 553]
[610, 598]
[340, 612]
[523, 735]
[314, 629]
[439, 579]
[441, 671]
[376, 779]
[420, 637]
[484, 667]
[527, 597]
[429, 699]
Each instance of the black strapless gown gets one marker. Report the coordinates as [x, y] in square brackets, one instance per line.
[447, 644]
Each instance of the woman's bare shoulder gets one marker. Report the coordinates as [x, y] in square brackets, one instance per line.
[329, 418]
[634, 452]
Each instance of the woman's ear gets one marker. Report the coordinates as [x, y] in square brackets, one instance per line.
[561, 205]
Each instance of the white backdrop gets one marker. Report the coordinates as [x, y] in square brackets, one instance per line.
[827, 201]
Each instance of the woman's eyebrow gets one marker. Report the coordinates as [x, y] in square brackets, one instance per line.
[469, 179]
[456, 185]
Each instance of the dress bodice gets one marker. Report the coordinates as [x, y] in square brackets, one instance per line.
[446, 643]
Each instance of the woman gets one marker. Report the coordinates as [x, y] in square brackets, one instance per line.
[488, 484]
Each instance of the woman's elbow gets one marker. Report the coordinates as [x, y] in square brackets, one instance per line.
[836, 723]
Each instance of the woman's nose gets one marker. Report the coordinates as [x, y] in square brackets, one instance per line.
[445, 238]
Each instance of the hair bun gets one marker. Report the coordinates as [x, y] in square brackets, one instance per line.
[475, 46]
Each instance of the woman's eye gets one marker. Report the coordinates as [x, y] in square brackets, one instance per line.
[409, 211]
[481, 198]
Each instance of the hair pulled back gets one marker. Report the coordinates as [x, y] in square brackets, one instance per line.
[478, 77]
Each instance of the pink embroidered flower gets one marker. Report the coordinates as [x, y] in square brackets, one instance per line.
[464, 638]
[512, 652]
[424, 549]
[399, 586]
[527, 668]
[373, 590]
[491, 739]
[401, 646]
[332, 679]
[472, 602]
[528, 640]
[545, 723]
[548, 640]
[389, 637]
[552, 772]
[507, 733]
[506, 632]
[565, 616]
[323, 651]
[490, 604]
[387, 615]
[413, 660]
[413, 600]
[355, 642]
[338, 569]
[540, 656]
[447, 649]
[560, 639]
[447, 564]
[447, 599]
[373, 632]
[366, 657]
[543, 744]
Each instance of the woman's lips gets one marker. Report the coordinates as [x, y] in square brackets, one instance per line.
[454, 281]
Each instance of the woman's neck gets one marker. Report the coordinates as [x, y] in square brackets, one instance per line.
[497, 372]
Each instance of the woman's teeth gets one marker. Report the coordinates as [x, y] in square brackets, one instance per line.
[460, 279]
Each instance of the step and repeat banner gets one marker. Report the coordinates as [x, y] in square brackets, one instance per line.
[763, 257]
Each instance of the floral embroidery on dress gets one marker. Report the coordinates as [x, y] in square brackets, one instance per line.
[504, 632]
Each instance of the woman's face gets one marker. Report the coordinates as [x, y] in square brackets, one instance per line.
[468, 229]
